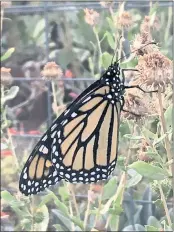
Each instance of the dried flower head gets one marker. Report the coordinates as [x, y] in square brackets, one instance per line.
[5, 4]
[149, 23]
[6, 78]
[124, 20]
[91, 16]
[134, 105]
[155, 70]
[138, 104]
[51, 70]
[142, 153]
[107, 3]
[139, 43]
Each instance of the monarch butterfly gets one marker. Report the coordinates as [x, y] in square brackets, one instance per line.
[82, 143]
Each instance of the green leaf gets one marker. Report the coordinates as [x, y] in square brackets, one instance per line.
[137, 227]
[116, 208]
[124, 128]
[43, 225]
[152, 221]
[135, 178]
[61, 206]
[63, 191]
[109, 189]
[159, 140]
[58, 227]
[111, 23]
[110, 39]
[46, 199]
[5, 195]
[151, 228]
[8, 53]
[106, 59]
[149, 171]
[149, 134]
[77, 222]
[12, 92]
[65, 220]
[39, 29]
[114, 221]
[129, 136]
[169, 115]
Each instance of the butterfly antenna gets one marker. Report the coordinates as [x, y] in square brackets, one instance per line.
[136, 50]
[115, 52]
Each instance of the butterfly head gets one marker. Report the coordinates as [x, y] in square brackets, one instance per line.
[112, 78]
[112, 74]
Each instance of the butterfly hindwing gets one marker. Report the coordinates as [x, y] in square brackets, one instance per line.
[39, 172]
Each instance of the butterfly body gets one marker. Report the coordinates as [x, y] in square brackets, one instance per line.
[81, 145]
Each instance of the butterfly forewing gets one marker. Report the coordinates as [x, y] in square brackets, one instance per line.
[85, 145]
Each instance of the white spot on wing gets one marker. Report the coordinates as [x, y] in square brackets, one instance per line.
[66, 112]
[58, 134]
[54, 148]
[56, 153]
[45, 150]
[57, 165]
[53, 134]
[29, 183]
[56, 179]
[73, 115]
[67, 175]
[87, 99]
[41, 148]
[54, 160]
[109, 96]
[25, 176]
[44, 138]
[53, 127]
[64, 122]
[54, 173]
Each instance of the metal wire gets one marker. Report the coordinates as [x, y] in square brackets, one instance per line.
[55, 79]
[76, 5]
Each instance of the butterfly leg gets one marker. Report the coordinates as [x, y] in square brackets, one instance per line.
[135, 86]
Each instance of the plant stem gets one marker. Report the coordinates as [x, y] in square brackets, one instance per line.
[99, 47]
[165, 205]
[54, 96]
[71, 213]
[70, 186]
[87, 210]
[99, 207]
[2, 15]
[163, 123]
